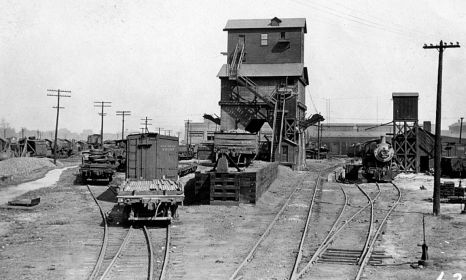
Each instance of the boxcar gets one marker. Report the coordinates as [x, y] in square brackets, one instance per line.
[151, 190]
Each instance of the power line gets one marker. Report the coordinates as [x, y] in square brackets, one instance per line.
[438, 120]
[58, 95]
[356, 19]
[123, 114]
[102, 105]
[312, 101]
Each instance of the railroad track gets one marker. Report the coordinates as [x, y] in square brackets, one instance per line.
[328, 252]
[296, 209]
[131, 253]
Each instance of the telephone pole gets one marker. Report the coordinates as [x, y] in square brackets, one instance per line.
[58, 95]
[123, 114]
[188, 134]
[102, 105]
[438, 119]
[461, 128]
[145, 124]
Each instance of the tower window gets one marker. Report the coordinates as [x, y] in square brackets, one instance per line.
[264, 38]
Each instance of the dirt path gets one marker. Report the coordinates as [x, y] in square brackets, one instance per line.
[58, 239]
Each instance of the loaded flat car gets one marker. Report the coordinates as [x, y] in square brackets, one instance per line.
[156, 199]
[97, 166]
[151, 190]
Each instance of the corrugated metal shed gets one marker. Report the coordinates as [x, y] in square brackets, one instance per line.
[265, 24]
[268, 70]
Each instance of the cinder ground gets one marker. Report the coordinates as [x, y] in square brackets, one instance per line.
[445, 235]
[60, 238]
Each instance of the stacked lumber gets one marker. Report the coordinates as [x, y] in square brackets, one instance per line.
[150, 185]
[448, 189]
[224, 188]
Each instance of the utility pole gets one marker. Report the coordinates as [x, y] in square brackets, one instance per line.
[58, 95]
[318, 140]
[188, 134]
[102, 105]
[168, 132]
[461, 128]
[438, 120]
[145, 124]
[159, 129]
[123, 114]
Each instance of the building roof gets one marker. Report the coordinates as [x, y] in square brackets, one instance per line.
[405, 94]
[267, 70]
[266, 23]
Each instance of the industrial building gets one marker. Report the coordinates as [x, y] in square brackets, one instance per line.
[264, 81]
[338, 137]
[199, 132]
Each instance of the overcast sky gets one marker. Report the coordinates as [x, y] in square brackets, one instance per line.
[160, 58]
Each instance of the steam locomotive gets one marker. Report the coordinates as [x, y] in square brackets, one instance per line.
[378, 163]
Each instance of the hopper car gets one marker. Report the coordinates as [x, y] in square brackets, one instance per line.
[240, 148]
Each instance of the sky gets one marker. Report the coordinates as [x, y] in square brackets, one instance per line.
[159, 59]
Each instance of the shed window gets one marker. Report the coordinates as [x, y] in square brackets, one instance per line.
[264, 39]
[282, 35]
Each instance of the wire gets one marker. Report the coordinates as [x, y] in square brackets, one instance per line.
[312, 101]
[359, 20]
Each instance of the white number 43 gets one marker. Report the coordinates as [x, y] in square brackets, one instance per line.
[457, 276]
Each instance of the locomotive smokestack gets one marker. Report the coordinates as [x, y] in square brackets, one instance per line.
[383, 139]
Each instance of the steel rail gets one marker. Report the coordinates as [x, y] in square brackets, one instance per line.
[122, 246]
[306, 226]
[371, 247]
[269, 228]
[150, 273]
[371, 225]
[295, 275]
[166, 255]
[266, 232]
[365, 250]
[330, 237]
[338, 218]
[103, 249]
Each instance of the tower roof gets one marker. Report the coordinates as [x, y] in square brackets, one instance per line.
[266, 23]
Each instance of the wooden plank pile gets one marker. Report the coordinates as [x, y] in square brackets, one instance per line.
[233, 187]
[150, 185]
[224, 188]
[451, 193]
[254, 184]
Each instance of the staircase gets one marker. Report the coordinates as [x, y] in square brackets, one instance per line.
[234, 74]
